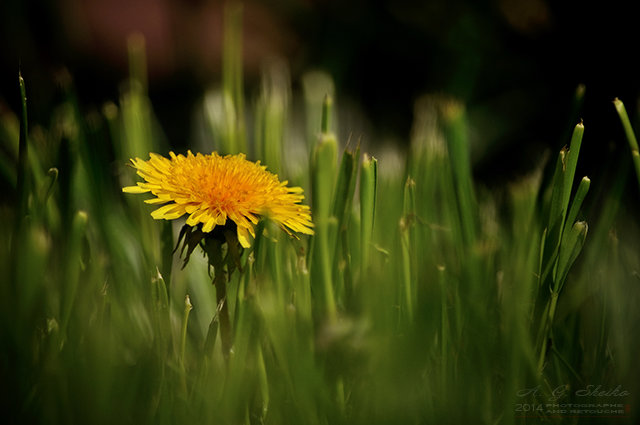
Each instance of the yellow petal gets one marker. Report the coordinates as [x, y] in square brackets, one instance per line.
[194, 218]
[191, 208]
[154, 201]
[166, 211]
[134, 189]
[209, 225]
[243, 237]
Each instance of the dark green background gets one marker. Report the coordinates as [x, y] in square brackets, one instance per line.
[515, 64]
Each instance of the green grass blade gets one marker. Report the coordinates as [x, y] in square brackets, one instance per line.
[345, 186]
[232, 77]
[72, 268]
[368, 192]
[23, 155]
[455, 130]
[342, 209]
[571, 163]
[22, 187]
[631, 137]
[408, 247]
[569, 252]
[271, 117]
[578, 199]
[323, 171]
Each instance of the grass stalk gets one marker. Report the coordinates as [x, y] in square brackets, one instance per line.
[232, 77]
[22, 187]
[455, 129]
[631, 137]
[342, 210]
[571, 164]
[183, 340]
[323, 176]
[137, 60]
[183, 334]
[408, 246]
[73, 267]
[368, 191]
[23, 155]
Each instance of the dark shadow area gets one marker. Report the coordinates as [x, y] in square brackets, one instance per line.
[516, 65]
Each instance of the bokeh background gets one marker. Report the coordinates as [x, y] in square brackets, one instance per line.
[515, 64]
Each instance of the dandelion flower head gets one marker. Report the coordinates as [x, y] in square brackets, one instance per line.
[214, 188]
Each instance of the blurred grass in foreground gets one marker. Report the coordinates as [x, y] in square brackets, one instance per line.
[422, 298]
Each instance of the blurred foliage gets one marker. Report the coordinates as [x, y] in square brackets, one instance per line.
[424, 296]
[515, 65]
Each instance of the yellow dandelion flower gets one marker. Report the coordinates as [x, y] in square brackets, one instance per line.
[214, 188]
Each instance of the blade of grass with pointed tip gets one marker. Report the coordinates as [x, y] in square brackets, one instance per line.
[22, 188]
[556, 218]
[342, 206]
[368, 191]
[569, 252]
[408, 246]
[345, 186]
[455, 130]
[631, 137]
[571, 164]
[323, 171]
[323, 168]
[576, 204]
[183, 340]
[23, 154]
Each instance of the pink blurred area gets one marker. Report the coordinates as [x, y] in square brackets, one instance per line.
[179, 35]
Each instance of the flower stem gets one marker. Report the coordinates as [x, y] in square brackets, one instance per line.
[213, 248]
[220, 282]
